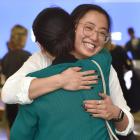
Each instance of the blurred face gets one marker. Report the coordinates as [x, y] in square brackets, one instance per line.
[91, 34]
[18, 38]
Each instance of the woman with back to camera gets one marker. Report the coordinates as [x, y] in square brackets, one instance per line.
[126, 125]
[54, 31]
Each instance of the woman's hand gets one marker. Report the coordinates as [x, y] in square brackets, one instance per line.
[74, 79]
[102, 108]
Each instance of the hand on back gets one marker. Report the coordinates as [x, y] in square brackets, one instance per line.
[74, 79]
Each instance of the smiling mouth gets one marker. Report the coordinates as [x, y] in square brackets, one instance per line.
[89, 45]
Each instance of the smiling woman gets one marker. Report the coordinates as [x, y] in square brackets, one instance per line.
[91, 34]
[66, 104]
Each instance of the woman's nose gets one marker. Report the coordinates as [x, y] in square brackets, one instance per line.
[94, 36]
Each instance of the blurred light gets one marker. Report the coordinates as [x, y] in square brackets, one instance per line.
[127, 77]
[129, 54]
[32, 35]
[116, 36]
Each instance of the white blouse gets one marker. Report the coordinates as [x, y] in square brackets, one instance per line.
[15, 90]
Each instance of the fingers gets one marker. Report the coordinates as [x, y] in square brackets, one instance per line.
[88, 78]
[93, 102]
[103, 95]
[76, 68]
[96, 111]
[99, 112]
[89, 82]
[85, 87]
[84, 73]
[74, 79]
[102, 115]
[98, 108]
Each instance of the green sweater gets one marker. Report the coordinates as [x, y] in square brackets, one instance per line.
[60, 115]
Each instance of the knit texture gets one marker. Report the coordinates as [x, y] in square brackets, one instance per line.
[60, 115]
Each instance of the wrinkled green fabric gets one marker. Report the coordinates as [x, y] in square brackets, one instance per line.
[60, 115]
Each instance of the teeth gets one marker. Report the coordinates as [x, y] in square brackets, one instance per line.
[89, 45]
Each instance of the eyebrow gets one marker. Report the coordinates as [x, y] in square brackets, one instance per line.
[95, 25]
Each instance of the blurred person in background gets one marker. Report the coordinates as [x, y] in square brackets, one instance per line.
[13, 60]
[124, 67]
[121, 63]
[133, 45]
[1, 83]
[16, 55]
[128, 75]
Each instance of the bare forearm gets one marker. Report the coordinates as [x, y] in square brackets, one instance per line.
[106, 110]
[42, 86]
[121, 126]
[70, 79]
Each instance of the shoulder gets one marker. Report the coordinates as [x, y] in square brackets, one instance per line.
[103, 56]
[128, 43]
[22, 54]
[39, 60]
[39, 57]
[26, 52]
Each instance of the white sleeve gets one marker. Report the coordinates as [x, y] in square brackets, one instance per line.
[15, 89]
[118, 99]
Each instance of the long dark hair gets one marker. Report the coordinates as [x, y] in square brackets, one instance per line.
[83, 9]
[53, 29]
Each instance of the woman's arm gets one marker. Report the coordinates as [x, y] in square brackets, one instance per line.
[21, 89]
[70, 79]
[110, 106]
[15, 89]
[126, 125]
